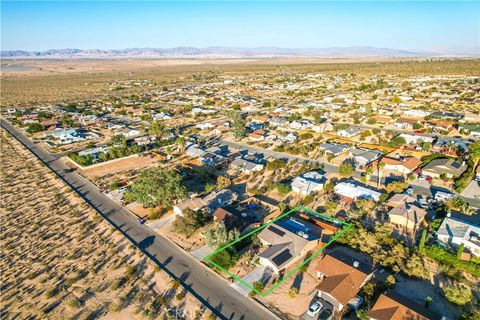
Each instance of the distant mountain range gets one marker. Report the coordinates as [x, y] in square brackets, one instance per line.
[231, 52]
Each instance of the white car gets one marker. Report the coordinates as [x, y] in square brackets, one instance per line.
[314, 308]
[409, 191]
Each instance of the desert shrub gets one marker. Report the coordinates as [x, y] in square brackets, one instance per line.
[292, 293]
[458, 295]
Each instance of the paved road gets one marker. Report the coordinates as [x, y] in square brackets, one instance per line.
[207, 287]
[328, 167]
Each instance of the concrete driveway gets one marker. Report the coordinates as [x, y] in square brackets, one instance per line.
[201, 252]
[262, 273]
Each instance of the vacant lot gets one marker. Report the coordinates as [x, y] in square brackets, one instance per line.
[60, 260]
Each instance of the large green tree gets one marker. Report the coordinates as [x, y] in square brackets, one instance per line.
[191, 221]
[157, 129]
[158, 186]
[346, 169]
[238, 125]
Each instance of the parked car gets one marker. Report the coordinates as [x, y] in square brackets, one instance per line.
[423, 203]
[409, 191]
[443, 196]
[314, 308]
[326, 314]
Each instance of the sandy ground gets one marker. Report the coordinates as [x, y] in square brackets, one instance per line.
[297, 306]
[60, 260]
[69, 66]
[118, 166]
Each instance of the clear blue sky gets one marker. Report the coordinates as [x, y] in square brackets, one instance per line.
[114, 25]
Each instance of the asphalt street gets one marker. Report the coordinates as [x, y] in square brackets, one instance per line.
[214, 292]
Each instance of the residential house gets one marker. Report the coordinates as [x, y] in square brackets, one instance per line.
[162, 116]
[202, 126]
[401, 164]
[459, 228]
[393, 306]
[405, 212]
[405, 123]
[471, 117]
[412, 139]
[444, 166]
[342, 277]
[349, 132]
[66, 136]
[86, 119]
[94, 152]
[363, 157]
[415, 113]
[290, 137]
[308, 183]
[257, 135]
[301, 124]
[287, 241]
[50, 123]
[352, 191]
[246, 166]
[446, 115]
[440, 125]
[381, 119]
[210, 203]
[233, 218]
[473, 130]
[278, 122]
[211, 159]
[198, 110]
[129, 132]
[195, 151]
[259, 119]
[323, 127]
[334, 149]
[29, 118]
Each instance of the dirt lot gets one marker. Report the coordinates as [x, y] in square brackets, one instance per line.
[60, 260]
[118, 166]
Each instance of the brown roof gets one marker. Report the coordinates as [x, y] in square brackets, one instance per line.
[400, 199]
[382, 119]
[407, 120]
[342, 280]
[48, 123]
[220, 214]
[392, 306]
[408, 162]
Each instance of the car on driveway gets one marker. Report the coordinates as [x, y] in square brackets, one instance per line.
[314, 308]
[326, 314]
[409, 191]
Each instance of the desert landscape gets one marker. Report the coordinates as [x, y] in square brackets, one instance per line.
[28, 81]
[61, 260]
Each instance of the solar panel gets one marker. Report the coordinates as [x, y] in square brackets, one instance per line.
[456, 164]
[282, 257]
[276, 231]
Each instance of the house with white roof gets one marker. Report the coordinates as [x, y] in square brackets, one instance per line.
[353, 191]
[415, 138]
[363, 157]
[246, 165]
[308, 183]
[457, 229]
[300, 124]
[349, 132]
